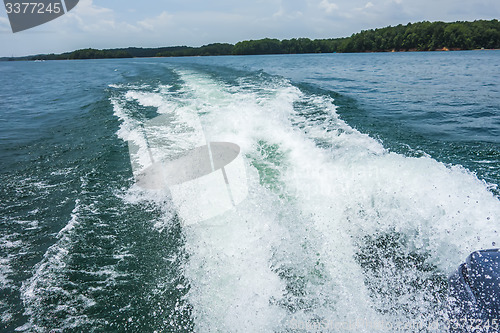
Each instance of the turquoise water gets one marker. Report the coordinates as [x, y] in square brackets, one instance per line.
[371, 177]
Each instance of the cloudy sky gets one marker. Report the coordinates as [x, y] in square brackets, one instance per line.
[123, 23]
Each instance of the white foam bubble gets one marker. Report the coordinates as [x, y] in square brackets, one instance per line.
[53, 261]
[47, 281]
[288, 253]
[5, 271]
[352, 189]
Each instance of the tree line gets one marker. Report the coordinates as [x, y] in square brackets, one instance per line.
[426, 36]
[421, 36]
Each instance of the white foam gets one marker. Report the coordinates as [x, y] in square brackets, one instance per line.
[12, 247]
[330, 187]
[53, 261]
[353, 189]
[48, 279]
[5, 271]
[6, 317]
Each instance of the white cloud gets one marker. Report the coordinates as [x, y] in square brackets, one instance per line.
[366, 6]
[282, 14]
[329, 7]
[87, 8]
[154, 23]
[89, 17]
[92, 19]
[4, 24]
[287, 10]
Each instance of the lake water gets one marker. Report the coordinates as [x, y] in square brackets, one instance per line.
[370, 178]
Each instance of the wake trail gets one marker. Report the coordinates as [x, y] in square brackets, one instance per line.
[330, 214]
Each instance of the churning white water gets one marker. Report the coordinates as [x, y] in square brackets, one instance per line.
[336, 234]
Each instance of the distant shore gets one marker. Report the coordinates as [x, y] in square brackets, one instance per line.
[444, 49]
[45, 57]
[420, 36]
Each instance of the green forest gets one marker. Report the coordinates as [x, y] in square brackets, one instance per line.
[421, 36]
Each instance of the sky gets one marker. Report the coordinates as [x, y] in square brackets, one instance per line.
[123, 23]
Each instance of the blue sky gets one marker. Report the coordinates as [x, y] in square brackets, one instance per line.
[123, 23]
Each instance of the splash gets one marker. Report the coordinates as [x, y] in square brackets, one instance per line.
[335, 231]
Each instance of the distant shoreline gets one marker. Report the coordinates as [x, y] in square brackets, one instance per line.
[413, 37]
[37, 59]
[436, 50]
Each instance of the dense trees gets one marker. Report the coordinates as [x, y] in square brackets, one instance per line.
[421, 36]
[206, 50]
[98, 54]
[426, 36]
[287, 46]
[137, 52]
